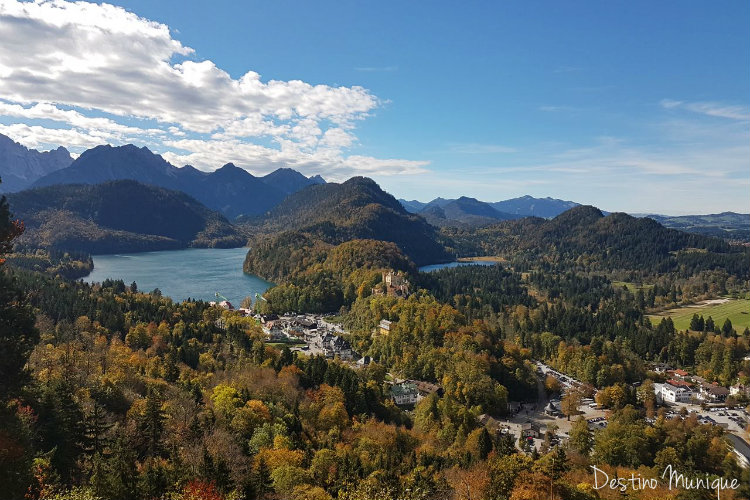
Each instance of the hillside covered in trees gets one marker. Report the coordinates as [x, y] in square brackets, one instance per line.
[118, 216]
[584, 238]
[356, 209]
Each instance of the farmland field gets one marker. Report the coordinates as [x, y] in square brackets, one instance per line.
[737, 310]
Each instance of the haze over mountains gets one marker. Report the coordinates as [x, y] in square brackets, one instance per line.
[20, 166]
[287, 200]
[524, 206]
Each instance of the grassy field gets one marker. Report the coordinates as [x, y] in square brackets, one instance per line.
[631, 286]
[737, 310]
[487, 258]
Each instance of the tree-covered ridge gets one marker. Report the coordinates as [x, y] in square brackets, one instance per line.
[583, 238]
[118, 216]
[355, 209]
[314, 276]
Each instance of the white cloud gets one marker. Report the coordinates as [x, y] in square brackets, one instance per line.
[328, 162]
[714, 109]
[74, 62]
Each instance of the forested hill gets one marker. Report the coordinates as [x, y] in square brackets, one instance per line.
[118, 216]
[355, 209]
[584, 237]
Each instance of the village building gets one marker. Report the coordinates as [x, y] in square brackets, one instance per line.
[427, 388]
[364, 361]
[672, 393]
[680, 374]
[739, 390]
[384, 327]
[530, 430]
[661, 367]
[713, 393]
[552, 409]
[405, 393]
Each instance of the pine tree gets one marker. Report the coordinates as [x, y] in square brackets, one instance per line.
[262, 484]
[151, 424]
[484, 443]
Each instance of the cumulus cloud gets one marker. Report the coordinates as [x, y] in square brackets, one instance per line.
[107, 73]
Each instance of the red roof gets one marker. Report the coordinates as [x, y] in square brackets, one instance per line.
[678, 383]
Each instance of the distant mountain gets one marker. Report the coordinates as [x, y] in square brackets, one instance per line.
[525, 206]
[289, 180]
[118, 216]
[412, 206]
[728, 225]
[462, 212]
[20, 166]
[231, 190]
[355, 209]
[536, 207]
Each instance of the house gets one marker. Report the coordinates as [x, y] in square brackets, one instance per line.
[680, 383]
[530, 430]
[681, 374]
[657, 392]
[661, 367]
[384, 327]
[363, 361]
[739, 390]
[405, 393]
[552, 409]
[672, 393]
[427, 388]
[713, 392]
[492, 424]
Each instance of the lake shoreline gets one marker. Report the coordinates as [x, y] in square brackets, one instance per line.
[195, 273]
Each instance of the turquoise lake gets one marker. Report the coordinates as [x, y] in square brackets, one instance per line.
[435, 267]
[196, 273]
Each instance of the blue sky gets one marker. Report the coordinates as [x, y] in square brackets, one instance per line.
[634, 106]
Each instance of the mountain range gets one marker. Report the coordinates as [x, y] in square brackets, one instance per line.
[727, 225]
[230, 190]
[20, 166]
[118, 216]
[524, 206]
[264, 203]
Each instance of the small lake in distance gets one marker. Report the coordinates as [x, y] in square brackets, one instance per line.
[196, 273]
[446, 265]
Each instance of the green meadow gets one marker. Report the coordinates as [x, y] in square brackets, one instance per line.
[737, 310]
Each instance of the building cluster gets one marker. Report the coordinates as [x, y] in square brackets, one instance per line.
[318, 335]
[410, 392]
[682, 388]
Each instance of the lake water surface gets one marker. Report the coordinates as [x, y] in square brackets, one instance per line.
[196, 273]
[435, 267]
